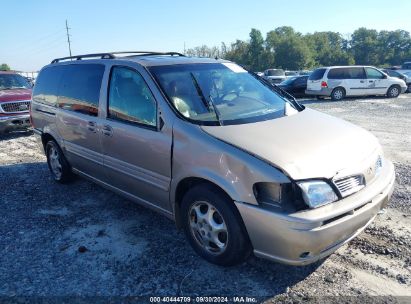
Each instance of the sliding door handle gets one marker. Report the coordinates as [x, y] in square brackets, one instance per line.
[91, 126]
[107, 130]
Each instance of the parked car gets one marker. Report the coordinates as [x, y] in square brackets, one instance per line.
[406, 65]
[215, 148]
[399, 75]
[289, 74]
[296, 85]
[15, 99]
[30, 80]
[339, 82]
[274, 76]
[305, 72]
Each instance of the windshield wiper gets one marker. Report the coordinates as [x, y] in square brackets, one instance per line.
[290, 98]
[208, 103]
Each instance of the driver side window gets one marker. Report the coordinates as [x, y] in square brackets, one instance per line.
[374, 74]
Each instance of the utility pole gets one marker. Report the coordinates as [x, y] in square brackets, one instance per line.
[184, 48]
[68, 37]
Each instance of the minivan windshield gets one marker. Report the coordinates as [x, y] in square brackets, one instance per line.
[13, 81]
[219, 93]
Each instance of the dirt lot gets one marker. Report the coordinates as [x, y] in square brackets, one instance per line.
[132, 251]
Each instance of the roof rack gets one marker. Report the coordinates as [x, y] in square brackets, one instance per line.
[80, 57]
[148, 53]
[111, 55]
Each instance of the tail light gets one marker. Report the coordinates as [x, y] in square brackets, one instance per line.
[324, 84]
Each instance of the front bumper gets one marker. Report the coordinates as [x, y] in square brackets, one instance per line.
[404, 89]
[14, 122]
[307, 236]
[322, 92]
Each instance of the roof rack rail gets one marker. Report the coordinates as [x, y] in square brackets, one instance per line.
[80, 57]
[148, 53]
[111, 55]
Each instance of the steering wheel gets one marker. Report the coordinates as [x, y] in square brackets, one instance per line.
[230, 93]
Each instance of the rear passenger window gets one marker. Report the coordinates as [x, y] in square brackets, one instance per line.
[338, 74]
[317, 74]
[355, 73]
[47, 85]
[130, 99]
[80, 88]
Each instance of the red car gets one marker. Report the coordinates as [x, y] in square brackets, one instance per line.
[15, 100]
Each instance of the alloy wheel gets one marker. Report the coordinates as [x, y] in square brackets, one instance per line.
[55, 164]
[338, 94]
[208, 227]
[394, 92]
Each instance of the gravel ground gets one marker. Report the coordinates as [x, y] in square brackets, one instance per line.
[82, 240]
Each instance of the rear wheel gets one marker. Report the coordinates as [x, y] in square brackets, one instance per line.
[58, 165]
[394, 91]
[214, 227]
[338, 94]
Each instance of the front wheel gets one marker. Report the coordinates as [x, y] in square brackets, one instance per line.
[214, 227]
[394, 91]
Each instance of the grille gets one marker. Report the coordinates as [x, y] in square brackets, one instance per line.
[14, 107]
[349, 185]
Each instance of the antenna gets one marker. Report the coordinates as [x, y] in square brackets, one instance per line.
[68, 37]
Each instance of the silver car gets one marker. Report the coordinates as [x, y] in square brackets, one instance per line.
[235, 162]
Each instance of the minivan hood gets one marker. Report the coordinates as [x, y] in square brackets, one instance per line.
[15, 95]
[309, 144]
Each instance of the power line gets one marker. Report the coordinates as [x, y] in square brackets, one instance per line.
[68, 37]
[33, 41]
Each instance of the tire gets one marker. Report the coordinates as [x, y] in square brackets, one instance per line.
[394, 91]
[57, 163]
[226, 246]
[338, 94]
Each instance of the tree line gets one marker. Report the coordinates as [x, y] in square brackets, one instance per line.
[286, 48]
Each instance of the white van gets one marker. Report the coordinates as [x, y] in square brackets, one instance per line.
[340, 81]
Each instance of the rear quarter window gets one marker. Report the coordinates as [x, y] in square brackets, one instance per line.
[317, 74]
[47, 85]
[80, 88]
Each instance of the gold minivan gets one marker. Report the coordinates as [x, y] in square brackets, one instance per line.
[236, 162]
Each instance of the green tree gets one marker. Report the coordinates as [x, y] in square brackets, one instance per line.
[238, 52]
[329, 48]
[4, 67]
[256, 50]
[289, 48]
[393, 47]
[364, 46]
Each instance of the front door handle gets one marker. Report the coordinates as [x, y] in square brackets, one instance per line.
[107, 130]
[362, 81]
[91, 125]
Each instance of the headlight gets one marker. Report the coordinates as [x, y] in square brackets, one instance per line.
[317, 193]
